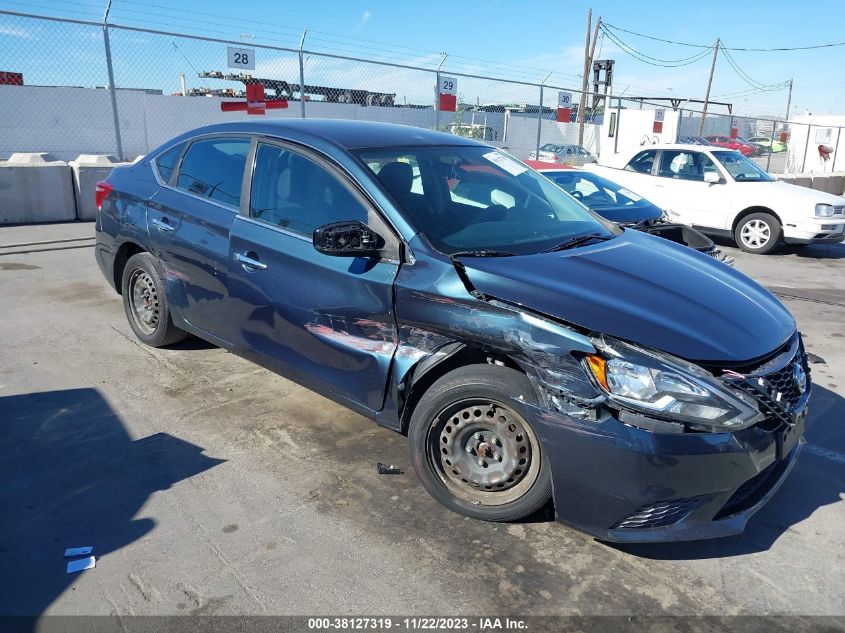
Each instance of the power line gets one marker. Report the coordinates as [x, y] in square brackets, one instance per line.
[656, 61]
[730, 48]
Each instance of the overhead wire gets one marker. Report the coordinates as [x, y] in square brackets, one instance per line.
[732, 48]
[655, 61]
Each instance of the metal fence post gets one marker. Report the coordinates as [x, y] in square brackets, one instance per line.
[437, 100]
[112, 92]
[618, 125]
[302, 77]
[771, 145]
[539, 123]
[836, 149]
[806, 148]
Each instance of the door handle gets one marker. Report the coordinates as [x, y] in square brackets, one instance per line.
[162, 225]
[250, 263]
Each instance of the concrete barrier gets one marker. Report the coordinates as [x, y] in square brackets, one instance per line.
[836, 184]
[35, 188]
[88, 170]
[829, 183]
[820, 182]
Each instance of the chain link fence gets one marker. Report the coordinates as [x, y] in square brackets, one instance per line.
[72, 86]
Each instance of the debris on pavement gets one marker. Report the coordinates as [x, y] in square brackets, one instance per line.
[384, 469]
[82, 563]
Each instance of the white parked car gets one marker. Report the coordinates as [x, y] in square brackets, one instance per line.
[564, 154]
[721, 192]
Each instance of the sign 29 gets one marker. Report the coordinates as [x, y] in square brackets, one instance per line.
[241, 58]
[448, 86]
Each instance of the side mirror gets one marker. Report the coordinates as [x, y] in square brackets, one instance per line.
[713, 178]
[347, 239]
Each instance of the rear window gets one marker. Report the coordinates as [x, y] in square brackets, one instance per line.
[214, 169]
[166, 162]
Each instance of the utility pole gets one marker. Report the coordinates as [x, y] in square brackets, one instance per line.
[788, 101]
[588, 63]
[709, 84]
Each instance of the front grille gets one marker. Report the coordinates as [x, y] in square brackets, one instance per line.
[783, 383]
[659, 514]
[838, 209]
[774, 385]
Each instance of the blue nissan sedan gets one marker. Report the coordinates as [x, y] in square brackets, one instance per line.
[531, 350]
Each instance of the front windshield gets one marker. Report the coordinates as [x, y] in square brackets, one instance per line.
[474, 198]
[741, 168]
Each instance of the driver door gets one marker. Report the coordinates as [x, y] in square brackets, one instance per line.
[689, 199]
[326, 322]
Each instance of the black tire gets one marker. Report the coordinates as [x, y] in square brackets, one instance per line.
[467, 404]
[751, 230]
[145, 302]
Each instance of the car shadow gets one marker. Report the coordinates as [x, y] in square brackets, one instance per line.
[191, 343]
[809, 251]
[817, 480]
[72, 477]
[814, 251]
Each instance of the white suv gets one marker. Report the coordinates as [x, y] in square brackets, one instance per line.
[721, 192]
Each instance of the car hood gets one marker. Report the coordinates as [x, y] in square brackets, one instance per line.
[646, 290]
[629, 214]
[796, 194]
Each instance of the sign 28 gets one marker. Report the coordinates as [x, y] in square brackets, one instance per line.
[241, 58]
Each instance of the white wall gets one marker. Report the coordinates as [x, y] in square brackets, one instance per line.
[804, 129]
[67, 122]
[521, 138]
[634, 128]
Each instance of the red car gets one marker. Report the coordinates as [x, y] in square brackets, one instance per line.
[745, 148]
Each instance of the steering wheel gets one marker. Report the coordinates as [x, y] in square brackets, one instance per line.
[493, 213]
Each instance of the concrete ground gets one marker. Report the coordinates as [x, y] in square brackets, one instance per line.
[208, 485]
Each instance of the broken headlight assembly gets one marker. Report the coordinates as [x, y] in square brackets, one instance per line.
[664, 387]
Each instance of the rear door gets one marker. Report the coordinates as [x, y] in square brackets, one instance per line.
[327, 322]
[189, 220]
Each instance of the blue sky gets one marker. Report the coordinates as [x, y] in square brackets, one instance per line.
[520, 40]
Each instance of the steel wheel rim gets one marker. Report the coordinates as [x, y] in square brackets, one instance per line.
[143, 301]
[483, 452]
[756, 233]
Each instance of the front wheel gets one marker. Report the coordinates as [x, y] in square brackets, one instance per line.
[758, 233]
[473, 451]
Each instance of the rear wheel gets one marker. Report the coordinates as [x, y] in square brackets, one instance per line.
[758, 233]
[473, 451]
[145, 303]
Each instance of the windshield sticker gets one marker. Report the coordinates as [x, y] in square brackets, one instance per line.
[506, 163]
[630, 194]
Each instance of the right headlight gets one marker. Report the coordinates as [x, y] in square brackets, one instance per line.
[824, 210]
[664, 387]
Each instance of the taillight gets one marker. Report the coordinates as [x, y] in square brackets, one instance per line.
[101, 192]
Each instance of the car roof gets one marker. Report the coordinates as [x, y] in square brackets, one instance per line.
[542, 165]
[339, 132]
[677, 146]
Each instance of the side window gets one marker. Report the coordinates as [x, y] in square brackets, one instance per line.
[294, 192]
[684, 165]
[214, 169]
[642, 162]
[166, 161]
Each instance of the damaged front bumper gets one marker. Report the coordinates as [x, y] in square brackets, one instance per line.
[621, 483]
